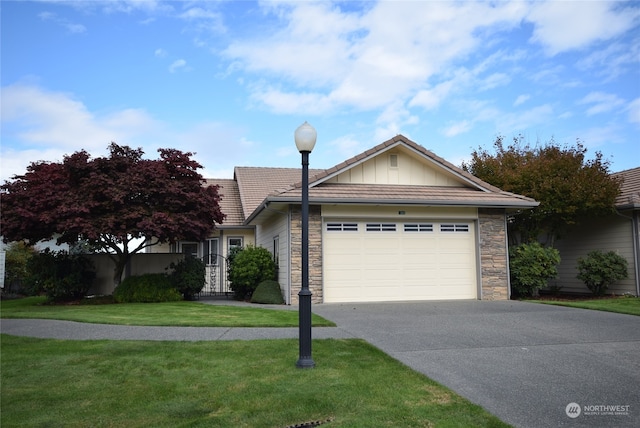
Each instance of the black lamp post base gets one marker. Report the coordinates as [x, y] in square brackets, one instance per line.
[305, 363]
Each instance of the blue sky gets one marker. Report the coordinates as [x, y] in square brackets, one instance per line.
[231, 81]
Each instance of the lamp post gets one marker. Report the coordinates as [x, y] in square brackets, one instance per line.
[305, 137]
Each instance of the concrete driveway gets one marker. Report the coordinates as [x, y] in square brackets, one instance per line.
[524, 362]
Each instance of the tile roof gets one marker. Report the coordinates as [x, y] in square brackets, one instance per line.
[229, 201]
[256, 183]
[405, 194]
[629, 196]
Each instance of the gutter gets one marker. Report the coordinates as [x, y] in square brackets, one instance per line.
[444, 203]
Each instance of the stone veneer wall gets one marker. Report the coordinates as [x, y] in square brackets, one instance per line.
[494, 267]
[315, 253]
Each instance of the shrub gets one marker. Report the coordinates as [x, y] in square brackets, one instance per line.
[268, 292]
[147, 288]
[599, 270]
[16, 272]
[59, 275]
[188, 276]
[531, 266]
[250, 267]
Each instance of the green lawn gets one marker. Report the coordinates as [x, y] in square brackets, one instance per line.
[219, 384]
[192, 314]
[622, 305]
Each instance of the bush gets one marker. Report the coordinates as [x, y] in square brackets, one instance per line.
[16, 272]
[268, 292]
[250, 267]
[59, 275]
[599, 270]
[531, 266]
[188, 276]
[148, 288]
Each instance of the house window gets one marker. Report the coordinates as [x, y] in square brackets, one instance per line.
[237, 242]
[381, 227]
[190, 249]
[418, 227]
[342, 227]
[276, 250]
[452, 227]
[211, 251]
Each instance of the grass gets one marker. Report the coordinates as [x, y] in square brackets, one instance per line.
[621, 305]
[219, 384]
[181, 314]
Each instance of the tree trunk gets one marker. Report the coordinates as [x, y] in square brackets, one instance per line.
[120, 261]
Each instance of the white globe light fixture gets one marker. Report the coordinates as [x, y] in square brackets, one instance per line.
[305, 137]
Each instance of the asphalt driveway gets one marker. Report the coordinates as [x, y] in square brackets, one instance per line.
[524, 362]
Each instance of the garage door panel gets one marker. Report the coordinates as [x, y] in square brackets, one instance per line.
[393, 266]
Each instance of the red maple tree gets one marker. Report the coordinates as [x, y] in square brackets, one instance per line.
[110, 203]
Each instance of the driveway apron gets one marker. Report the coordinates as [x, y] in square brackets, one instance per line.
[531, 365]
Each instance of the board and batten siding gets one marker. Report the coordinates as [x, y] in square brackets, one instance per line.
[277, 226]
[611, 234]
[399, 166]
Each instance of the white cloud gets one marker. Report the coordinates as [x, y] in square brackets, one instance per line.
[634, 111]
[521, 99]
[347, 146]
[63, 22]
[366, 60]
[177, 65]
[457, 128]
[430, 99]
[161, 53]
[563, 25]
[45, 125]
[515, 122]
[601, 102]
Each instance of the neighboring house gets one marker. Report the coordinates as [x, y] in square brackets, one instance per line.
[395, 223]
[618, 232]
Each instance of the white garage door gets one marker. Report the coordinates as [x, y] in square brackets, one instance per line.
[370, 261]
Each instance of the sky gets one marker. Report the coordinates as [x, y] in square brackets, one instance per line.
[231, 80]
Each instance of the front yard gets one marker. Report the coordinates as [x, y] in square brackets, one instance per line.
[179, 314]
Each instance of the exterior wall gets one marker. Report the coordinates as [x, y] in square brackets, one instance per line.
[614, 233]
[410, 169]
[247, 235]
[315, 253]
[494, 258]
[140, 264]
[277, 226]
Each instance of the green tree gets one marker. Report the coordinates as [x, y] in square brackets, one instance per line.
[110, 203]
[568, 186]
